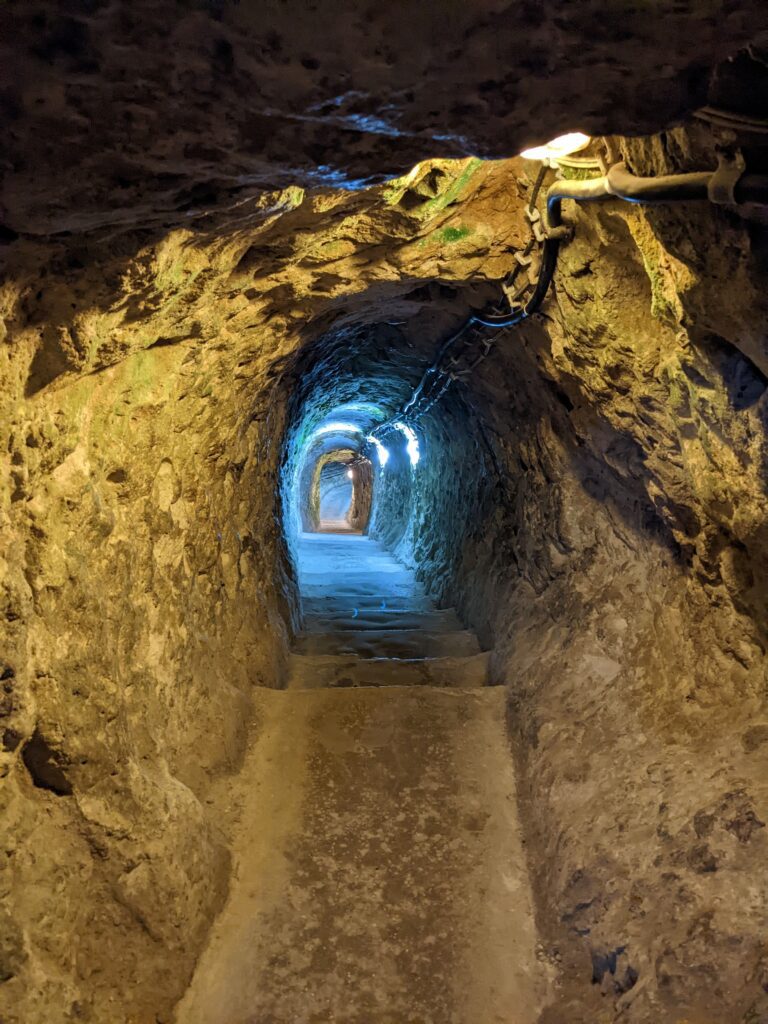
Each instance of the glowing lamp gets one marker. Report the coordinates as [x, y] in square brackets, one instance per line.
[381, 451]
[412, 442]
[557, 148]
[338, 428]
[350, 474]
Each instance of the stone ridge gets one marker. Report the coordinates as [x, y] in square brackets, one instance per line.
[153, 110]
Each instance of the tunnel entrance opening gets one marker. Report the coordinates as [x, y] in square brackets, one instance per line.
[336, 494]
[343, 493]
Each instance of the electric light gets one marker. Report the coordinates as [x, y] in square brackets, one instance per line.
[338, 428]
[381, 451]
[412, 445]
[350, 474]
[562, 146]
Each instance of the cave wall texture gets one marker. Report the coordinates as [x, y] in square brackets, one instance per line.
[605, 532]
[362, 495]
[187, 287]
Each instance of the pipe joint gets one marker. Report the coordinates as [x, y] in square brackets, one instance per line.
[559, 232]
[723, 183]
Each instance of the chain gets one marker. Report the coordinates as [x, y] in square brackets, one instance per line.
[450, 364]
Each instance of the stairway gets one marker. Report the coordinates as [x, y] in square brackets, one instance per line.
[369, 622]
[379, 872]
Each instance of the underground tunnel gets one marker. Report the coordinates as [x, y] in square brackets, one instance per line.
[384, 522]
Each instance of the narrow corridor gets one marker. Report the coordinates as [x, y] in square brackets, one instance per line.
[386, 883]
[384, 512]
[369, 622]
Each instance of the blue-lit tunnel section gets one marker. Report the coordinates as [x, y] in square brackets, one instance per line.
[337, 468]
[348, 498]
[422, 485]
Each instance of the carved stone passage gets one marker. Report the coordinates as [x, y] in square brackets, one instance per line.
[502, 757]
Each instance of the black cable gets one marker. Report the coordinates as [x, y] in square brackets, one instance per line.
[537, 187]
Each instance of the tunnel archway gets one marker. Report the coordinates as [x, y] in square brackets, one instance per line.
[418, 479]
[342, 491]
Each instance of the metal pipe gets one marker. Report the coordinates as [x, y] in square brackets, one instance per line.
[619, 183]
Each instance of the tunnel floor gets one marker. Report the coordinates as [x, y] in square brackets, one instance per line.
[385, 882]
[336, 526]
[369, 622]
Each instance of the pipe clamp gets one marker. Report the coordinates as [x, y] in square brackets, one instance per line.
[721, 188]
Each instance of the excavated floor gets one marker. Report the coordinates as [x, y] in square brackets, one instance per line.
[380, 875]
[369, 622]
[379, 871]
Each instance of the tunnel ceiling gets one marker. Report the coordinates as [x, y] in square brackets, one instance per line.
[154, 112]
[308, 264]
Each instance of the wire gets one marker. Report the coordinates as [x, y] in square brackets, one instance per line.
[486, 319]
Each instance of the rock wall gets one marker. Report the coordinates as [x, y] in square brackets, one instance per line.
[141, 607]
[612, 505]
[362, 496]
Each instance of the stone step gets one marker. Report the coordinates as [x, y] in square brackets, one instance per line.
[331, 605]
[370, 569]
[332, 619]
[335, 671]
[403, 593]
[390, 643]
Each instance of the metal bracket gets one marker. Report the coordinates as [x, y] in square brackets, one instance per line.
[512, 294]
[534, 217]
[722, 185]
[561, 233]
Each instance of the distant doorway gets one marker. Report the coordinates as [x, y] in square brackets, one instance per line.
[336, 496]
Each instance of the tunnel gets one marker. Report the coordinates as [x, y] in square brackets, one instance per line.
[384, 512]
[336, 492]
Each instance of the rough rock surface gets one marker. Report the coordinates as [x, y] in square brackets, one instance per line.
[182, 296]
[154, 111]
[347, 905]
[618, 566]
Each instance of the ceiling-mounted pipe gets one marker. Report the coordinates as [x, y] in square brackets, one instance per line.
[727, 184]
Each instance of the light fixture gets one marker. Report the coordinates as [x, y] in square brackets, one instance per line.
[381, 451]
[338, 428]
[557, 148]
[412, 442]
[350, 474]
